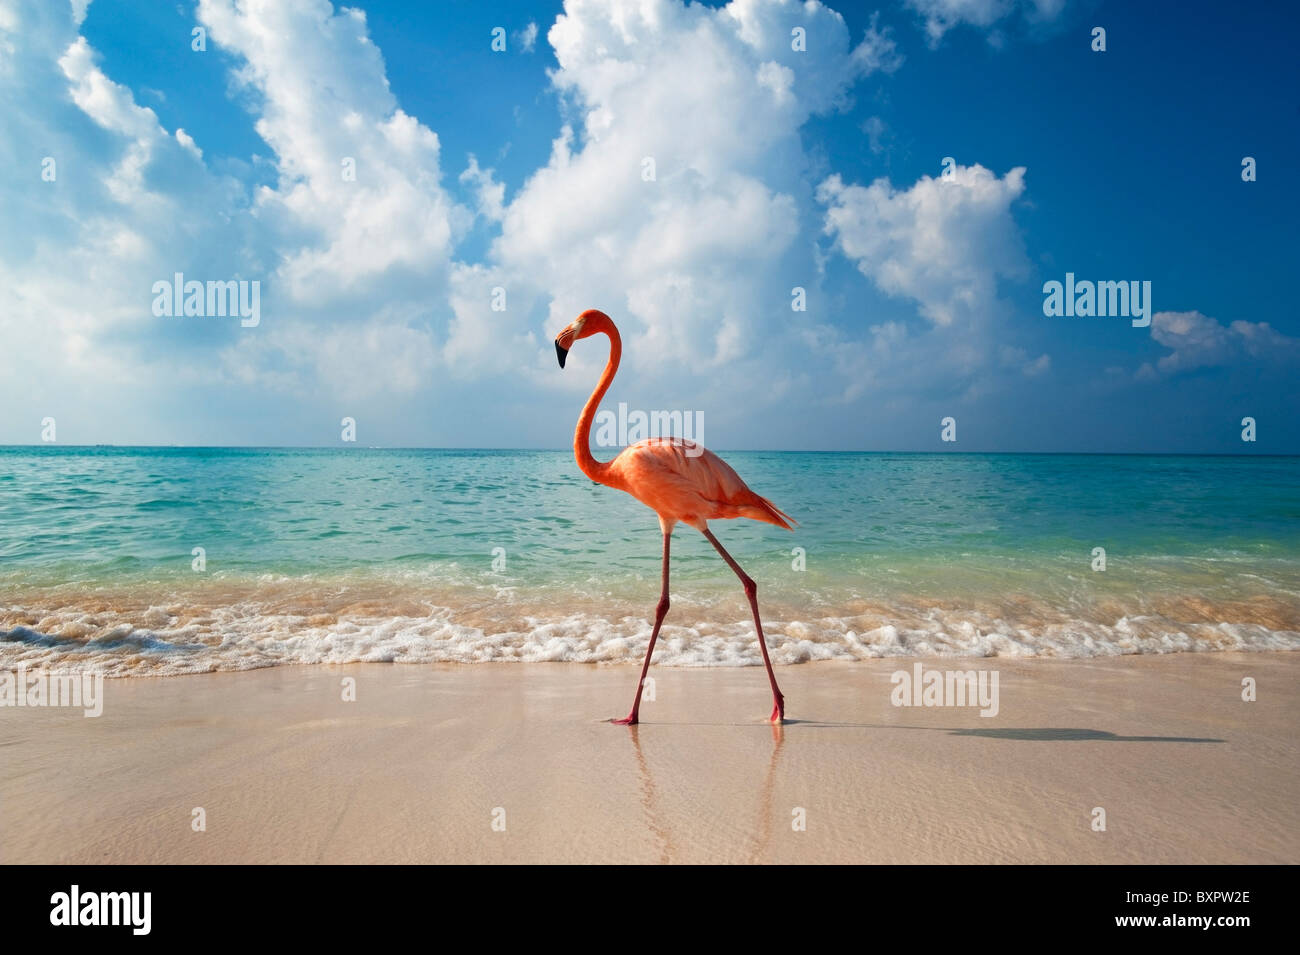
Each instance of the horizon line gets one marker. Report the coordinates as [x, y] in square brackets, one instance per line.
[343, 446]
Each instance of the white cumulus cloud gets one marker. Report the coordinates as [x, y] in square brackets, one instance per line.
[325, 104]
[940, 16]
[1196, 341]
[674, 199]
[944, 242]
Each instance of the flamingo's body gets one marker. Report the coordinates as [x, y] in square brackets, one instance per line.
[675, 478]
[682, 481]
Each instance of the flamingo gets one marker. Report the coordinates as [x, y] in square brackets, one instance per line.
[677, 479]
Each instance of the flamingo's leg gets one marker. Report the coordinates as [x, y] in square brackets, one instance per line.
[751, 591]
[661, 611]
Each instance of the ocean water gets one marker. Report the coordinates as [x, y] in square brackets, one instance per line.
[415, 556]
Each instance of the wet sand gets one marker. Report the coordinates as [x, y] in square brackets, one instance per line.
[513, 763]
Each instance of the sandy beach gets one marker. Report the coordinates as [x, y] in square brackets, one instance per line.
[514, 763]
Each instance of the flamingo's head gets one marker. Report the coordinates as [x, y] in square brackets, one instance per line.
[583, 326]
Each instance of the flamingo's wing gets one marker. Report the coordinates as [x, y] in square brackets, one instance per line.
[687, 482]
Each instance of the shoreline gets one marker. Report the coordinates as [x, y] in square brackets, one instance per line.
[415, 768]
[199, 625]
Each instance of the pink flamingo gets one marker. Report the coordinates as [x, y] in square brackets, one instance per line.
[679, 481]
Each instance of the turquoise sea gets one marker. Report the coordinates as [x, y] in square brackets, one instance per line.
[344, 555]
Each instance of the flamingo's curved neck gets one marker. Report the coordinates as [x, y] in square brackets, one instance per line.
[598, 471]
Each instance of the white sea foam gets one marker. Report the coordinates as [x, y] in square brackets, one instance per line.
[158, 641]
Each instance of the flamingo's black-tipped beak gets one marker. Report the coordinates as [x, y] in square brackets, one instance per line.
[561, 352]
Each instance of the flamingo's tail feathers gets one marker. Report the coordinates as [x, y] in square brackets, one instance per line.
[761, 509]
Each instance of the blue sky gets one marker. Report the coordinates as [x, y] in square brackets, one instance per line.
[820, 168]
